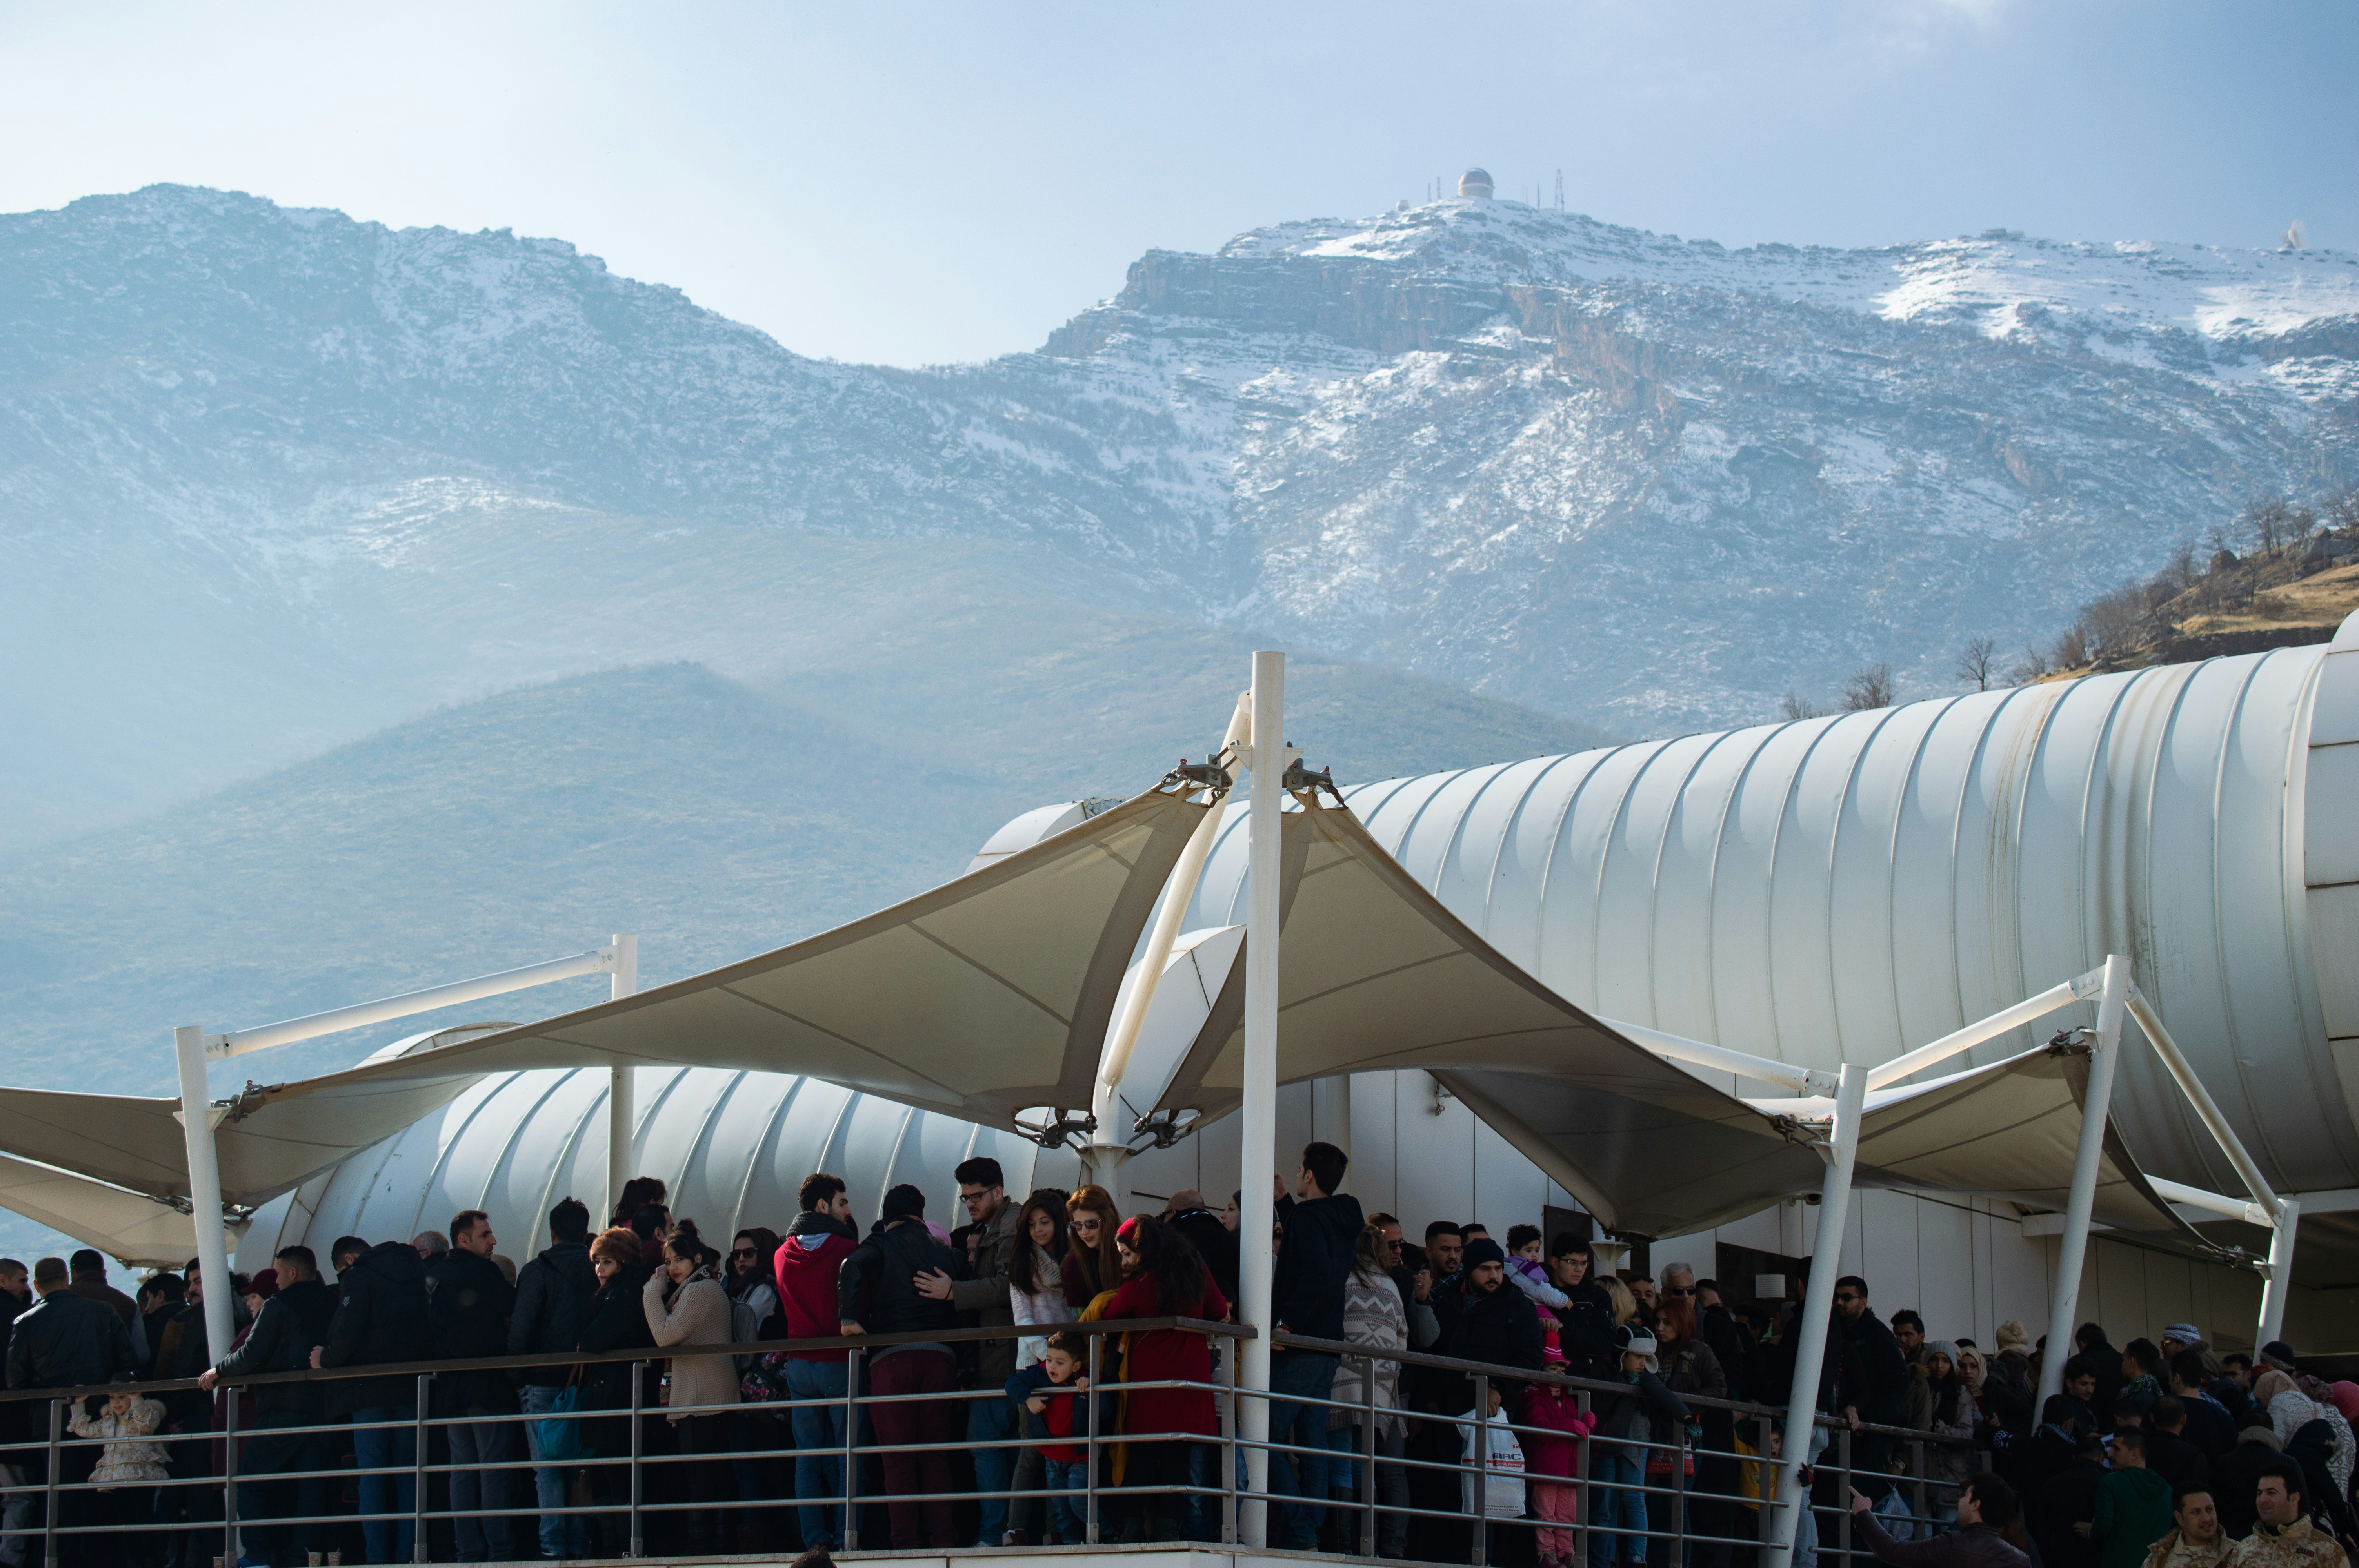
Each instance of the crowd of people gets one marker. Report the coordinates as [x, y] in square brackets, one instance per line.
[1001, 1354]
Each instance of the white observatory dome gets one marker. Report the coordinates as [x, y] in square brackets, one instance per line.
[1475, 182]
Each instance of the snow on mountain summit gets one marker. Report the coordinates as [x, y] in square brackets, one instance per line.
[2207, 289]
[1646, 482]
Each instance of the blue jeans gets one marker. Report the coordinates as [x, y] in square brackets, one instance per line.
[986, 1420]
[818, 1474]
[386, 1434]
[1304, 1375]
[1616, 1502]
[561, 1535]
[1066, 1481]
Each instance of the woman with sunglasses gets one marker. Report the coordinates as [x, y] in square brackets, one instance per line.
[752, 1286]
[1093, 1267]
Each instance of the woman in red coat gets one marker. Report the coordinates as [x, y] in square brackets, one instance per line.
[1163, 1277]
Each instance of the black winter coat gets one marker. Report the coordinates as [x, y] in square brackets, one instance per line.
[1216, 1244]
[2236, 1482]
[1885, 1398]
[1503, 1328]
[618, 1321]
[381, 1318]
[2067, 1497]
[872, 1286]
[1718, 1327]
[64, 1341]
[467, 1306]
[14, 1424]
[2176, 1460]
[552, 1306]
[290, 1323]
[1307, 1294]
[2209, 1427]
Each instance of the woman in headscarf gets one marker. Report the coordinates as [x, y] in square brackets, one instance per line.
[1093, 1264]
[1163, 1277]
[1949, 1465]
[2290, 1407]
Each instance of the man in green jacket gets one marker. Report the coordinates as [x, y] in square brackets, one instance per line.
[2133, 1505]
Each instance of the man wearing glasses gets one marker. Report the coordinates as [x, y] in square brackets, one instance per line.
[1883, 1400]
[980, 1296]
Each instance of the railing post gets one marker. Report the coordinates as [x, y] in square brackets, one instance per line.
[229, 1480]
[1090, 1449]
[49, 1485]
[1229, 1446]
[1481, 1464]
[1680, 1497]
[1842, 1492]
[417, 1498]
[1368, 1447]
[1765, 1481]
[1584, 1495]
[638, 1541]
[852, 1449]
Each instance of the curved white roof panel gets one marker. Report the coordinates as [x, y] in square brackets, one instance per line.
[1847, 888]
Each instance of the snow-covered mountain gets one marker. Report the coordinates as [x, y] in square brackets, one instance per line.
[271, 478]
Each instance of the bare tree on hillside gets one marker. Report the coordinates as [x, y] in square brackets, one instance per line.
[2071, 649]
[1978, 665]
[1871, 688]
[1793, 707]
[2341, 508]
[2114, 627]
[2029, 668]
[2269, 519]
[2180, 572]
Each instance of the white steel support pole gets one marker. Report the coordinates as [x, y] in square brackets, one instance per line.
[2280, 1281]
[622, 1110]
[205, 1186]
[2072, 1245]
[1257, 1154]
[1818, 1309]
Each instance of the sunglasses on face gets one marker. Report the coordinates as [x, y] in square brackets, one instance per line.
[1684, 1290]
[746, 1252]
[1842, 1296]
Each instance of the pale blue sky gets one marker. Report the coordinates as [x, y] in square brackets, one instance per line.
[916, 184]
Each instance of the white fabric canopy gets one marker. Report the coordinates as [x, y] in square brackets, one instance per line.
[990, 995]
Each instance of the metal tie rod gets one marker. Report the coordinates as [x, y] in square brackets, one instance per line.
[1997, 1024]
[238, 1041]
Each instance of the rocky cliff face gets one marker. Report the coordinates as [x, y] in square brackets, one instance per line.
[268, 477]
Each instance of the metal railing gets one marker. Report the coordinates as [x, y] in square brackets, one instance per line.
[52, 1470]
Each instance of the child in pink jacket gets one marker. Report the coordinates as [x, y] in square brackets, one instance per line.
[1551, 1452]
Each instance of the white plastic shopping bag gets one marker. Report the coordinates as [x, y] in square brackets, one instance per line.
[1503, 1468]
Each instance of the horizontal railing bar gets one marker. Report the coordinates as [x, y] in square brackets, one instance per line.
[636, 1353]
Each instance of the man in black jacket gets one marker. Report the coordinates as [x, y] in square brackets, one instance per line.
[292, 1323]
[15, 1297]
[63, 1341]
[1884, 1399]
[876, 1291]
[2168, 1454]
[1307, 1298]
[1215, 1243]
[552, 1303]
[1499, 1324]
[380, 1319]
[468, 1303]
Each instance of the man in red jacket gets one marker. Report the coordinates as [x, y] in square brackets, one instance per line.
[817, 1243]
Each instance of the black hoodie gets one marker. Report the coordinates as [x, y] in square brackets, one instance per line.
[552, 1304]
[380, 1319]
[1307, 1294]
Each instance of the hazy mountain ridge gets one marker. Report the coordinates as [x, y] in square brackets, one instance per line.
[270, 478]
[715, 818]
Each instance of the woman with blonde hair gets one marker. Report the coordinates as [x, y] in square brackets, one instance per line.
[1625, 1305]
[1093, 1266]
